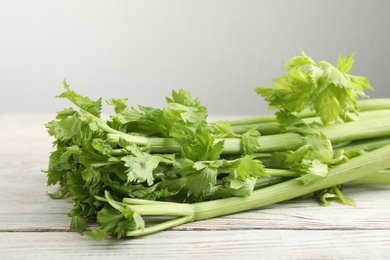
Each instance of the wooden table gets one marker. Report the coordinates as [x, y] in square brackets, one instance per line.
[33, 226]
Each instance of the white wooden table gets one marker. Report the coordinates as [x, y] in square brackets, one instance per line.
[33, 226]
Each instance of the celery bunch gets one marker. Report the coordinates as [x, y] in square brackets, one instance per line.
[173, 162]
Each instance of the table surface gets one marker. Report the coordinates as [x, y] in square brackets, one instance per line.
[34, 226]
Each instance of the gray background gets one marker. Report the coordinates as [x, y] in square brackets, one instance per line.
[218, 50]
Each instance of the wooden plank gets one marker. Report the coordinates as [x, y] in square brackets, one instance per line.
[245, 244]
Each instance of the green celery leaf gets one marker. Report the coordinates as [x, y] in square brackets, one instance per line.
[55, 173]
[344, 200]
[76, 186]
[317, 168]
[118, 103]
[89, 157]
[67, 112]
[102, 146]
[199, 184]
[250, 141]
[140, 167]
[223, 129]
[183, 107]
[78, 224]
[328, 90]
[66, 128]
[198, 145]
[97, 234]
[184, 113]
[291, 91]
[239, 187]
[313, 157]
[114, 223]
[61, 193]
[334, 193]
[250, 167]
[91, 176]
[125, 114]
[299, 62]
[234, 186]
[83, 102]
[184, 98]
[117, 220]
[344, 64]
[320, 147]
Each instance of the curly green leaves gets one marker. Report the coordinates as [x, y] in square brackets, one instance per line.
[328, 90]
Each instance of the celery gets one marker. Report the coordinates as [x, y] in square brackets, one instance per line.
[173, 164]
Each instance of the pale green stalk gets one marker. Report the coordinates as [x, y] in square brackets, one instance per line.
[378, 178]
[363, 105]
[365, 144]
[273, 127]
[371, 127]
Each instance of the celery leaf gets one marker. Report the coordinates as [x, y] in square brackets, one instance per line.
[322, 87]
[83, 102]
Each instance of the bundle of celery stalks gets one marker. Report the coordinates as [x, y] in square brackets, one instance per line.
[171, 164]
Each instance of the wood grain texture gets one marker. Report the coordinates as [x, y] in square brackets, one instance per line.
[34, 226]
[240, 244]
